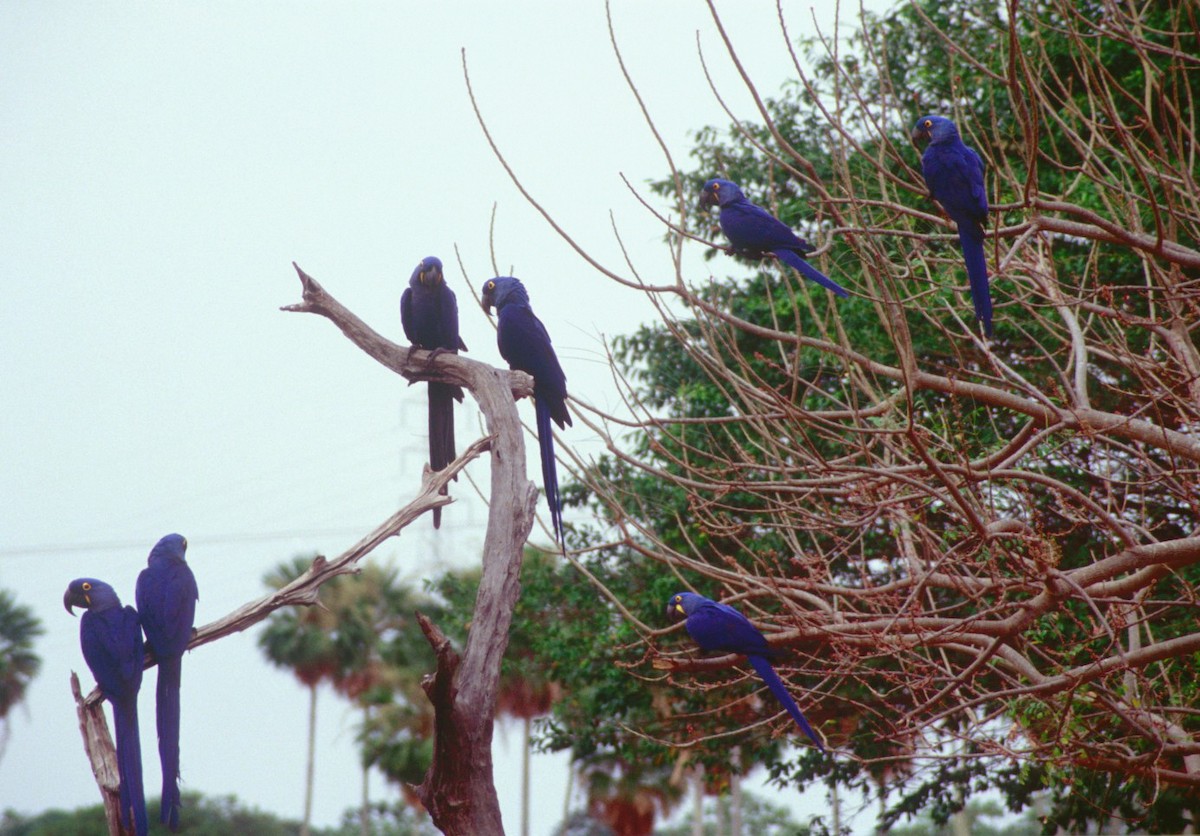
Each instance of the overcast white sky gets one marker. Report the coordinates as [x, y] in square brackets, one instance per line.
[161, 166]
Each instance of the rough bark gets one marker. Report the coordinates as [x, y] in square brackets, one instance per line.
[458, 791]
[102, 754]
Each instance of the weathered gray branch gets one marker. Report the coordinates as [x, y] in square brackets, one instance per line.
[102, 755]
[458, 792]
[97, 741]
[304, 590]
[413, 364]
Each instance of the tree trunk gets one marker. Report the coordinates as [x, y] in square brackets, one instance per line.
[960, 822]
[98, 744]
[364, 815]
[459, 791]
[312, 751]
[836, 803]
[567, 796]
[526, 723]
[735, 795]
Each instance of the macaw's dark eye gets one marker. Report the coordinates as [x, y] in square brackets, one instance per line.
[490, 286]
[716, 187]
[87, 587]
[929, 123]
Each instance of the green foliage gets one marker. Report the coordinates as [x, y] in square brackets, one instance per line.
[759, 816]
[19, 664]
[977, 812]
[87, 821]
[364, 640]
[299, 639]
[385, 820]
[203, 816]
[776, 420]
[214, 816]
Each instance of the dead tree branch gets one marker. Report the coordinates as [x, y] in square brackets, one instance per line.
[458, 791]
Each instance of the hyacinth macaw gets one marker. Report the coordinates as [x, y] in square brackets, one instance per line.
[954, 174]
[166, 598]
[753, 230]
[111, 638]
[429, 314]
[526, 346]
[720, 627]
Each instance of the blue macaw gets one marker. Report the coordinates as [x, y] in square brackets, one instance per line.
[954, 174]
[526, 346]
[429, 314]
[720, 627]
[111, 638]
[166, 598]
[753, 230]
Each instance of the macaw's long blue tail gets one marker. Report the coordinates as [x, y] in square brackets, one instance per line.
[970, 237]
[129, 766]
[441, 431]
[167, 709]
[781, 693]
[809, 272]
[549, 471]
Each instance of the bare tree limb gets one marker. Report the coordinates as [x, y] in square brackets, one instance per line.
[102, 755]
[458, 791]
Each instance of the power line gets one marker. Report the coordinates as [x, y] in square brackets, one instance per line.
[123, 545]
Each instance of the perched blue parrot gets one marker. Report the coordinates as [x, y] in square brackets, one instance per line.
[954, 174]
[166, 598]
[526, 346]
[753, 230]
[429, 314]
[720, 627]
[111, 638]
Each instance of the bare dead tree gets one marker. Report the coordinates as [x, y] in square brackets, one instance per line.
[458, 790]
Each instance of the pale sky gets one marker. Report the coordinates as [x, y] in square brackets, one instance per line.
[161, 166]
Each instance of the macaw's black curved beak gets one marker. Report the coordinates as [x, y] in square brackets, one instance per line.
[486, 302]
[69, 599]
[707, 198]
[920, 135]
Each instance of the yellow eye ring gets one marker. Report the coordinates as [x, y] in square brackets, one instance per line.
[87, 587]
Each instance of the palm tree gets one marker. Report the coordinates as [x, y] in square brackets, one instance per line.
[629, 797]
[300, 639]
[364, 641]
[386, 657]
[18, 663]
[369, 609]
[524, 694]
